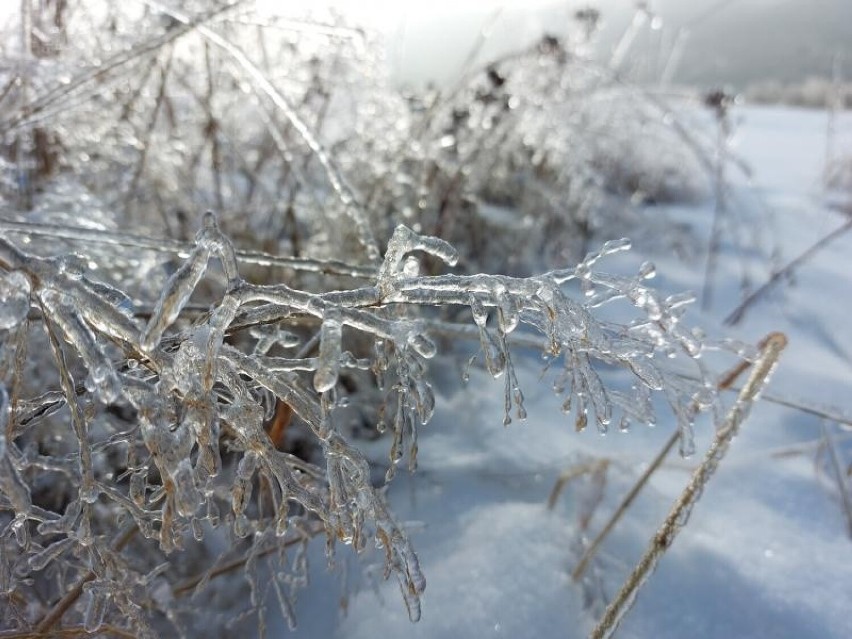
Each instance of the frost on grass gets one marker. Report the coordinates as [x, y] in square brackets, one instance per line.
[166, 451]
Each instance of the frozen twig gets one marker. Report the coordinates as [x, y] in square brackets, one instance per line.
[677, 517]
[840, 477]
[335, 178]
[164, 245]
[736, 316]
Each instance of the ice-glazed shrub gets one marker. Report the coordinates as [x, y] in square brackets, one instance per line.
[123, 484]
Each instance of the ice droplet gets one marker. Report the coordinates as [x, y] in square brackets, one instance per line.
[477, 309]
[423, 345]
[647, 271]
[411, 267]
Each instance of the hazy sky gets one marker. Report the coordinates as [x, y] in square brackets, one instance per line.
[723, 41]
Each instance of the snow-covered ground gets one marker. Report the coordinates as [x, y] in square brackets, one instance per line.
[767, 551]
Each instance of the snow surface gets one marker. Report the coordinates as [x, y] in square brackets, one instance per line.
[767, 551]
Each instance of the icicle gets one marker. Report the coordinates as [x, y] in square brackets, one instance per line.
[12, 484]
[96, 605]
[424, 399]
[284, 603]
[495, 355]
[597, 393]
[477, 309]
[636, 406]
[179, 287]
[508, 315]
[187, 497]
[88, 490]
[328, 359]
[402, 560]
[102, 377]
[685, 422]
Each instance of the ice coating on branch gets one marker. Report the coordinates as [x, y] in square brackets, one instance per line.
[109, 294]
[40, 560]
[584, 268]
[267, 337]
[14, 298]
[220, 320]
[208, 241]
[647, 372]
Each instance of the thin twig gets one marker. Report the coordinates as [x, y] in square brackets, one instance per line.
[592, 548]
[840, 476]
[662, 540]
[739, 312]
[571, 474]
[191, 583]
[335, 178]
[97, 73]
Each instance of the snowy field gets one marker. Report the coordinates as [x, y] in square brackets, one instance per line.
[767, 551]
